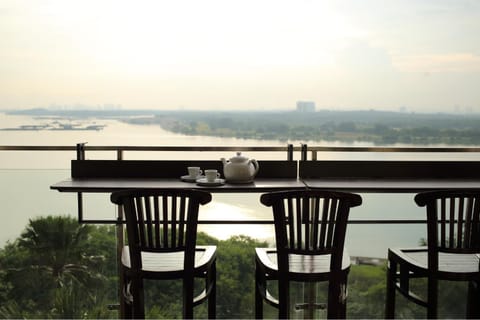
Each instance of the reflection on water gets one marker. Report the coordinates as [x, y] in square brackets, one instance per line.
[225, 211]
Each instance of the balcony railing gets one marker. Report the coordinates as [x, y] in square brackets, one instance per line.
[287, 152]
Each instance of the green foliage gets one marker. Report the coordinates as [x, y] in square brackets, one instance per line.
[373, 126]
[366, 291]
[235, 283]
[53, 270]
[60, 269]
[236, 277]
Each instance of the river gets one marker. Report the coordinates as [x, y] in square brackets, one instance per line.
[25, 178]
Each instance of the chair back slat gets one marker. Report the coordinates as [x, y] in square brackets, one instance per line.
[157, 225]
[454, 214]
[290, 218]
[310, 222]
[468, 222]
[333, 216]
[453, 221]
[174, 226]
[475, 237]
[298, 224]
[315, 223]
[461, 218]
[149, 222]
[323, 224]
[306, 222]
[165, 220]
[442, 222]
[181, 222]
[160, 220]
[141, 221]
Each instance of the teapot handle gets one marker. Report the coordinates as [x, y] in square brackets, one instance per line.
[255, 165]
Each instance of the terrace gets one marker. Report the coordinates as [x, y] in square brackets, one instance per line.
[388, 217]
[113, 73]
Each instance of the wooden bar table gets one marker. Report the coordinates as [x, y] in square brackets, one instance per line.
[401, 177]
[106, 176]
[390, 176]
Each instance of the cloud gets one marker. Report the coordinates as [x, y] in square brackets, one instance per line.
[436, 63]
[362, 57]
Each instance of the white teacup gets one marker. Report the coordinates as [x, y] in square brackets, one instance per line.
[194, 172]
[211, 175]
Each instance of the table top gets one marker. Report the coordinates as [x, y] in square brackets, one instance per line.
[381, 185]
[110, 185]
[351, 176]
[270, 184]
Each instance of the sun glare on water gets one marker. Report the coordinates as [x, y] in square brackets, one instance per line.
[217, 210]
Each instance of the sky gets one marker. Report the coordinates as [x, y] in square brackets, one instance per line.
[413, 55]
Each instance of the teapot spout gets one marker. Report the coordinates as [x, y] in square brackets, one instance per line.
[224, 161]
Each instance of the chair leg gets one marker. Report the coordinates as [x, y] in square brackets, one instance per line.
[138, 299]
[212, 298]
[283, 298]
[473, 307]
[259, 283]
[343, 301]
[432, 298]
[126, 302]
[310, 297]
[334, 298]
[188, 286]
[390, 298]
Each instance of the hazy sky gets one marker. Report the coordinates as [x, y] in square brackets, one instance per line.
[423, 55]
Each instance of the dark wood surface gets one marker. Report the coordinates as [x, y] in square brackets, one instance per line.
[452, 252]
[310, 229]
[390, 169]
[109, 185]
[356, 176]
[106, 176]
[151, 169]
[390, 176]
[161, 223]
[389, 185]
[113, 175]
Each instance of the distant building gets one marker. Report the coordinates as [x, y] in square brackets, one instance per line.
[305, 106]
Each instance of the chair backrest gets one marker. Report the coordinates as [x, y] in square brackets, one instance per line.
[453, 222]
[161, 220]
[310, 222]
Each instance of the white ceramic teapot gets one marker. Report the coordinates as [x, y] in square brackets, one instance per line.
[240, 169]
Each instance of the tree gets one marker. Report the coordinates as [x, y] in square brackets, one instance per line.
[50, 269]
[56, 246]
[236, 277]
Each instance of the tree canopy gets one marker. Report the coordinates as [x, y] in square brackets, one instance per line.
[379, 127]
[58, 268]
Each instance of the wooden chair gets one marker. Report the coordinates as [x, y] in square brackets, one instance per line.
[310, 227]
[162, 233]
[453, 224]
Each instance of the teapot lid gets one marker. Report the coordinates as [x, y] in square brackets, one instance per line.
[239, 158]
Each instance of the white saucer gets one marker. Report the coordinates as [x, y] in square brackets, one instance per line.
[203, 182]
[187, 178]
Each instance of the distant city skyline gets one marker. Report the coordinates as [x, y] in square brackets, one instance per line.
[398, 55]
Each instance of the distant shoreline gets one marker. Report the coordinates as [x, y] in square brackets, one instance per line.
[376, 127]
[41, 128]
